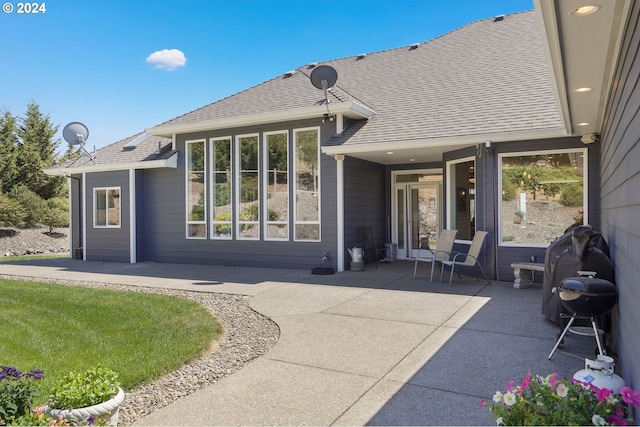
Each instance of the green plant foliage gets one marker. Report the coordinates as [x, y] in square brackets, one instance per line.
[82, 389]
[223, 229]
[57, 213]
[572, 195]
[550, 401]
[12, 214]
[509, 190]
[17, 391]
[32, 203]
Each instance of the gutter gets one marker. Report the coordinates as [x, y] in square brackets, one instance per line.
[171, 162]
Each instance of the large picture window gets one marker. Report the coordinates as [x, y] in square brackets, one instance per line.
[543, 195]
[276, 181]
[220, 150]
[248, 209]
[307, 184]
[195, 177]
[106, 207]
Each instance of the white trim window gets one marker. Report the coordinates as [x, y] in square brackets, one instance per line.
[195, 184]
[461, 197]
[543, 194]
[221, 189]
[106, 207]
[247, 188]
[276, 185]
[306, 208]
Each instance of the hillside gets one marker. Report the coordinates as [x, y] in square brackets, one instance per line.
[28, 241]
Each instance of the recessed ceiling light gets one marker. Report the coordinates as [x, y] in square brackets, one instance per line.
[583, 124]
[585, 10]
[389, 152]
[583, 89]
[412, 160]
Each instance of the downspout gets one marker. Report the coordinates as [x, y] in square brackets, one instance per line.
[340, 208]
[83, 222]
[132, 217]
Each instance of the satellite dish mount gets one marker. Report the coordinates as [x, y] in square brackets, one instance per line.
[76, 134]
[324, 77]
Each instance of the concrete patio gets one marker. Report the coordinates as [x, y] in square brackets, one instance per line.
[373, 347]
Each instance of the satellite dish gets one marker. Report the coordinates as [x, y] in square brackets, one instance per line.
[75, 133]
[324, 77]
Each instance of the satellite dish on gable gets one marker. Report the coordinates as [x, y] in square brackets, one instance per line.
[75, 133]
[324, 77]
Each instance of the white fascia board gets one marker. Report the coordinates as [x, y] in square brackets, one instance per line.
[545, 12]
[171, 162]
[443, 142]
[351, 109]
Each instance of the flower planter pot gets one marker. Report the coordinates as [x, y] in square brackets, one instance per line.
[106, 411]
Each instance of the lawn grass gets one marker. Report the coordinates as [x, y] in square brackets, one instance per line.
[32, 257]
[59, 328]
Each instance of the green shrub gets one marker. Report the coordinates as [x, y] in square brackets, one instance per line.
[509, 190]
[17, 391]
[224, 229]
[33, 204]
[82, 389]
[572, 195]
[57, 214]
[12, 214]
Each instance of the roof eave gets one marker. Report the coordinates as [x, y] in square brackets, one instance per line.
[350, 109]
[171, 162]
[446, 141]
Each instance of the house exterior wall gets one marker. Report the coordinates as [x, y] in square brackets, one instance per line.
[497, 258]
[140, 215]
[620, 198]
[505, 255]
[107, 244]
[365, 190]
[74, 213]
[165, 216]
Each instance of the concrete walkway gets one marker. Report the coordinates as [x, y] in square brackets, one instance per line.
[373, 347]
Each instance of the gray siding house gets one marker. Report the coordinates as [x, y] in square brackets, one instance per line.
[520, 125]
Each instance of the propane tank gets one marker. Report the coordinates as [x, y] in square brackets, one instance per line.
[600, 373]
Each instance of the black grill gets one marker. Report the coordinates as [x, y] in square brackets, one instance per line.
[587, 296]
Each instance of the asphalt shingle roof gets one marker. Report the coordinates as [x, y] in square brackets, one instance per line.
[490, 76]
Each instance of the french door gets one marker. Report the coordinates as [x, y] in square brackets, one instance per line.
[416, 216]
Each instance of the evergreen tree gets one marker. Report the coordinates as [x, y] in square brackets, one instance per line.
[8, 150]
[37, 151]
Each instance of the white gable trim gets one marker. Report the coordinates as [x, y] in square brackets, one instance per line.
[351, 109]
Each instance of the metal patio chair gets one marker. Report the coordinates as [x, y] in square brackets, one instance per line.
[469, 259]
[441, 252]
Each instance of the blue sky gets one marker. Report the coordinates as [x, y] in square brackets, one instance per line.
[121, 66]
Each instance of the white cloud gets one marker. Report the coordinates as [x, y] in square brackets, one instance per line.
[167, 59]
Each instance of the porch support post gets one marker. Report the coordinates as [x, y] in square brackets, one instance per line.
[340, 208]
[132, 217]
[83, 222]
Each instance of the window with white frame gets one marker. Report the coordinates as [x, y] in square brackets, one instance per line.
[543, 194]
[221, 195]
[307, 184]
[106, 207]
[276, 183]
[247, 200]
[461, 196]
[196, 189]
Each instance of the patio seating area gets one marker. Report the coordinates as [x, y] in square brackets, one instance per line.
[371, 347]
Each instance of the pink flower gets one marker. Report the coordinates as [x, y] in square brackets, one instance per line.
[630, 396]
[510, 386]
[525, 382]
[602, 393]
[483, 402]
[553, 380]
[616, 420]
